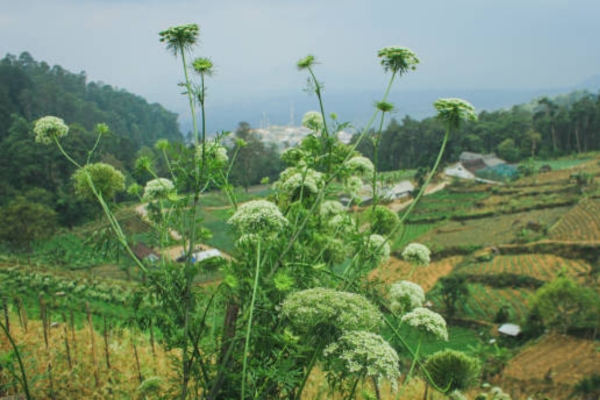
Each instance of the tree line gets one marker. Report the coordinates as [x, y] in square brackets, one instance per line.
[544, 128]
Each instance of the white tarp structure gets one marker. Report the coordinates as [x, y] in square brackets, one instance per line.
[510, 329]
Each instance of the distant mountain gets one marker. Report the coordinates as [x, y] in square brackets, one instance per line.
[357, 106]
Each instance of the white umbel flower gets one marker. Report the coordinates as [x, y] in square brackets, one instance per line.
[48, 128]
[366, 354]
[417, 253]
[158, 188]
[258, 216]
[405, 296]
[427, 321]
[360, 165]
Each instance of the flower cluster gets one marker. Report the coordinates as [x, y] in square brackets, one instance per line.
[293, 180]
[417, 253]
[313, 120]
[455, 111]
[331, 208]
[405, 296]
[258, 216]
[49, 128]
[398, 59]
[180, 37]
[214, 152]
[203, 66]
[427, 321]
[158, 188]
[360, 165]
[344, 311]
[378, 247]
[293, 155]
[99, 178]
[366, 354]
[342, 224]
[306, 62]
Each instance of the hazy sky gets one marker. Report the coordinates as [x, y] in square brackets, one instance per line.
[255, 44]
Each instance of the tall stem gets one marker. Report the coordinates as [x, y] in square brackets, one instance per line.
[19, 361]
[188, 86]
[249, 329]
[422, 191]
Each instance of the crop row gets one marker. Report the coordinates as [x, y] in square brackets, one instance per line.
[582, 223]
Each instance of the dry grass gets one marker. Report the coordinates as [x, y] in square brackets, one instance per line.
[396, 269]
[50, 376]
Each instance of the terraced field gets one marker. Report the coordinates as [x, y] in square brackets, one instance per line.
[540, 266]
[484, 302]
[396, 269]
[489, 231]
[581, 223]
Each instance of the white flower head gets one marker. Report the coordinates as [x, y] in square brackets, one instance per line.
[378, 247]
[342, 311]
[427, 321]
[405, 296]
[331, 208]
[455, 111]
[158, 188]
[258, 216]
[360, 165]
[213, 152]
[366, 354]
[417, 253]
[342, 224]
[48, 128]
[398, 59]
[313, 120]
[293, 180]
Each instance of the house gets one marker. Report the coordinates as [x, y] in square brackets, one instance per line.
[205, 255]
[145, 253]
[510, 330]
[489, 160]
[459, 171]
[385, 193]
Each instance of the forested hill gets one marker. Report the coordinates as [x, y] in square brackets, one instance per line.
[544, 128]
[32, 89]
[33, 172]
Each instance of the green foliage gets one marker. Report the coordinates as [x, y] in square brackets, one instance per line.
[23, 222]
[98, 179]
[452, 370]
[563, 304]
[454, 289]
[383, 220]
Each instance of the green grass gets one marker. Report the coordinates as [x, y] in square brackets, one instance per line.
[561, 163]
[458, 339]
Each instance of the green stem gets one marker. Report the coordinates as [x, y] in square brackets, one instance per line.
[19, 361]
[422, 191]
[188, 86]
[313, 360]
[249, 329]
[375, 157]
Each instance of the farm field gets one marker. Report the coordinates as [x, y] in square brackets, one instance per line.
[565, 359]
[396, 269]
[544, 267]
[488, 231]
[581, 223]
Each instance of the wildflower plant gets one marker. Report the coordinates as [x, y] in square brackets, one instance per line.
[417, 253]
[49, 128]
[294, 291]
[405, 296]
